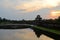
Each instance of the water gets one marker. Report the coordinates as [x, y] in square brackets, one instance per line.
[20, 34]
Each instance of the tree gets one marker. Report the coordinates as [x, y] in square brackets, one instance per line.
[0, 19]
[38, 18]
[58, 20]
[4, 19]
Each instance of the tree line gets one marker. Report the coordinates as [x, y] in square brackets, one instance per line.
[48, 23]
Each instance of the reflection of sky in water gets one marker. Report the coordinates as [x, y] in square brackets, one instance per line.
[20, 34]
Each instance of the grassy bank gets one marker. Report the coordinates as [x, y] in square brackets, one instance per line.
[49, 30]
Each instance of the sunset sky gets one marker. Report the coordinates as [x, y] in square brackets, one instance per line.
[29, 9]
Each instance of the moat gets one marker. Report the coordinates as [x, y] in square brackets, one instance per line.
[21, 34]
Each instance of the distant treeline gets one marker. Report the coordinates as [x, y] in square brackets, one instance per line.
[48, 23]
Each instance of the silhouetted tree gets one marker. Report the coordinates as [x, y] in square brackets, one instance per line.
[57, 20]
[23, 21]
[38, 18]
[0, 19]
[4, 19]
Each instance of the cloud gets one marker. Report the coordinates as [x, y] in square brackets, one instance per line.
[37, 4]
[54, 12]
[24, 9]
[29, 5]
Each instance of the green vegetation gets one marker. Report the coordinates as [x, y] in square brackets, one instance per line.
[49, 30]
[46, 24]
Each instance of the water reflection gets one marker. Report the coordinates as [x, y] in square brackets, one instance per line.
[20, 34]
[44, 37]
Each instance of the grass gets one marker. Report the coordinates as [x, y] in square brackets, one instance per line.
[49, 30]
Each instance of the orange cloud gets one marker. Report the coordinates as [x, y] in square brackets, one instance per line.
[54, 14]
[29, 6]
[37, 4]
[32, 5]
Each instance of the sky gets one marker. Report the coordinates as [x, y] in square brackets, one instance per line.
[29, 9]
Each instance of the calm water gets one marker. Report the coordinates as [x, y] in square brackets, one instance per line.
[20, 34]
